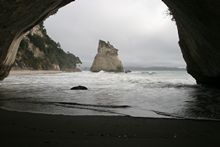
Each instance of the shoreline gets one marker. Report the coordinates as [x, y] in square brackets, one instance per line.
[32, 72]
[30, 129]
[119, 115]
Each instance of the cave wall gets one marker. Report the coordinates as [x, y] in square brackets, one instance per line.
[16, 18]
[197, 21]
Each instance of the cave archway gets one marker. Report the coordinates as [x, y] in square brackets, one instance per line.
[197, 23]
[142, 31]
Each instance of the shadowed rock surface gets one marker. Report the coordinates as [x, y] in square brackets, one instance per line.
[107, 59]
[197, 22]
[198, 26]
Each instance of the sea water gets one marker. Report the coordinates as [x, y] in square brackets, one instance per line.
[145, 93]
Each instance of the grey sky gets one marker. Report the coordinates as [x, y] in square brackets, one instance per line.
[140, 29]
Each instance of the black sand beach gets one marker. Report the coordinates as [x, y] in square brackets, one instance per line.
[29, 130]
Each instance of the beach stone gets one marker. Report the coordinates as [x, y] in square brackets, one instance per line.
[79, 88]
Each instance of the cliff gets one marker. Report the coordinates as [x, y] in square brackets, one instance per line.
[107, 59]
[37, 51]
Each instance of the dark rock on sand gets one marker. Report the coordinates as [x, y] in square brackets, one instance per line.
[79, 88]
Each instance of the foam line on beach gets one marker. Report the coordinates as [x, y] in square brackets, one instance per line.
[95, 109]
[66, 103]
[94, 105]
[98, 108]
[182, 117]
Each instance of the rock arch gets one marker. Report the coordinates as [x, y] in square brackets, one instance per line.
[197, 22]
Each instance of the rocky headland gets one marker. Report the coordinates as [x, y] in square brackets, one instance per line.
[37, 51]
[107, 59]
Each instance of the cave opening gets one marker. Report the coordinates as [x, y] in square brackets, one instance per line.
[148, 102]
[147, 42]
[142, 92]
[142, 31]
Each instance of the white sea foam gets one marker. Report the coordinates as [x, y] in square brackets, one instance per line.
[142, 92]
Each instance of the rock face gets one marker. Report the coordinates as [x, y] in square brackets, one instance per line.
[198, 26]
[107, 59]
[197, 22]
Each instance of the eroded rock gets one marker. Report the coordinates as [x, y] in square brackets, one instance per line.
[107, 59]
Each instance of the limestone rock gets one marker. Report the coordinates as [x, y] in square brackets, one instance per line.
[107, 59]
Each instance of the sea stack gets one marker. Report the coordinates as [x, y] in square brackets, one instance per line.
[107, 59]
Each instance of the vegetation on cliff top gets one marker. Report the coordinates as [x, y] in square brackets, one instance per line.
[38, 51]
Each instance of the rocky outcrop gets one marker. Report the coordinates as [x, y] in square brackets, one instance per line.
[37, 51]
[107, 59]
[197, 22]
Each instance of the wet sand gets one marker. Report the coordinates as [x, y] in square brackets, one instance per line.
[26, 129]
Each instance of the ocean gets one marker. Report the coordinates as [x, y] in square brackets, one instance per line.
[143, 93]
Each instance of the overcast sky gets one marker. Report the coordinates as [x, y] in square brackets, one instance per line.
[140, 29]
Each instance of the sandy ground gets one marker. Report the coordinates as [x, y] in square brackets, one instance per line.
[32, 72]
[20, 129]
